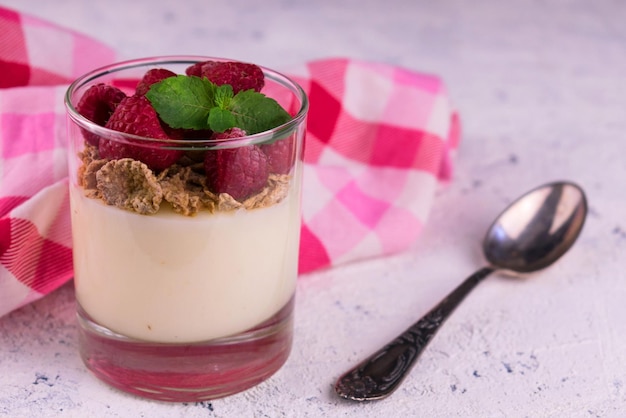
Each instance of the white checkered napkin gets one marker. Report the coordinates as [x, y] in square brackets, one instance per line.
[36, 52]
[35, 236]
[379, 139]
[37, 62]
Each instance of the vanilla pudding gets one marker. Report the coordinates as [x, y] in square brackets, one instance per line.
[172, 278]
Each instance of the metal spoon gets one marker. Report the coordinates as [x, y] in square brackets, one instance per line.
[532, 233]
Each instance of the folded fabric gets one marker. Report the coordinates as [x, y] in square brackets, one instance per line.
[379, 139]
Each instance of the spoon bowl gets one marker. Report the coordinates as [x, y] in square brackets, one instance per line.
[530, 234]
[537, 229]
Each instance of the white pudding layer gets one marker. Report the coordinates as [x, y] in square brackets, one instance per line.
[173, 278]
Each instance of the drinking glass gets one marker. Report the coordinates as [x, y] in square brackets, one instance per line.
[183, 294]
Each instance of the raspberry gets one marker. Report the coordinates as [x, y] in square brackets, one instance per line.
[231, 133]
[240, 75]
[97, 104]
[279, 155]
[241, 172]
[135, 115]
[150, 77]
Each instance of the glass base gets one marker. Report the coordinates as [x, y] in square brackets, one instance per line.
[189, 372]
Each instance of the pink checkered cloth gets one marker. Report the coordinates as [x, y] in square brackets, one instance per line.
[379, 140]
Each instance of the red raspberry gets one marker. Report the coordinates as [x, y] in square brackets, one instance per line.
[280, 155]
[240, 75]
[97, 104]
[150, 77]
[135, 115]
[232, 133]
[241, 172]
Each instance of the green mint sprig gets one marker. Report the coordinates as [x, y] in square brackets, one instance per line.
[191, 102]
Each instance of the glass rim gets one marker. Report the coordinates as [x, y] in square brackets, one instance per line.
[281, 131]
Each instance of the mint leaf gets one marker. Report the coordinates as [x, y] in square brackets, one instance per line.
[254, 112]
[221, 119]
[191, 102]
[223, 96]
[183, 101]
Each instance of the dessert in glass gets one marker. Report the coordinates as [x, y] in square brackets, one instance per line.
[185, 183]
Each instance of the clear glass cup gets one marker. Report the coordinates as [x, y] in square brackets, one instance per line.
[183, 304]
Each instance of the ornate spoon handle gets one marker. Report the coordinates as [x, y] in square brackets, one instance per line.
[381, 373]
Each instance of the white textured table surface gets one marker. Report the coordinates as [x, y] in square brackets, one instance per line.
[541, 89]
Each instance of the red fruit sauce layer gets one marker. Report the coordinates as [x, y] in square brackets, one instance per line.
[190, 372]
